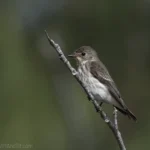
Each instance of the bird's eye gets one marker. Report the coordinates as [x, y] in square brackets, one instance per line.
[83, 54]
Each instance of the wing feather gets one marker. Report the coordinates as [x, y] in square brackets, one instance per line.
[99, 71]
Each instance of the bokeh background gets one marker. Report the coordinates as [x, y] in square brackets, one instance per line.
[41, 104]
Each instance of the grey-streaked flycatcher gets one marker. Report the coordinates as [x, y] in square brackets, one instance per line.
[96, 78]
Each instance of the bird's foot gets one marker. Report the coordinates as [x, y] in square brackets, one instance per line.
[101, 104]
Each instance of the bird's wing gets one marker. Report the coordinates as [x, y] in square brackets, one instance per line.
[100, 72]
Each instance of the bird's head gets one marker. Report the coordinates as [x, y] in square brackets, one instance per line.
[84, 54]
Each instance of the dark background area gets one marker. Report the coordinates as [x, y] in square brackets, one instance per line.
[41, 104]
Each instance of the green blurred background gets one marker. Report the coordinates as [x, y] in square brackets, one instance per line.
[41, 104]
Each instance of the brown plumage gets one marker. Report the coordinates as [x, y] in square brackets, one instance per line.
[96, 77]
[104, 77]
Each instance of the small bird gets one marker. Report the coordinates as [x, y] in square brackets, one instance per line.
[94, 75]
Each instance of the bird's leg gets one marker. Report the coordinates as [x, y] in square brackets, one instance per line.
[101, 104]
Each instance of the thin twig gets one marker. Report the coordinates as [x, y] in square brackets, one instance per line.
[118, 134]
[113, 125]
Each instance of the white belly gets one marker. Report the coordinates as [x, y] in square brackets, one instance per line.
[98, 90]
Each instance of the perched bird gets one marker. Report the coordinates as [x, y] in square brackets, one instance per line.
[96, 78]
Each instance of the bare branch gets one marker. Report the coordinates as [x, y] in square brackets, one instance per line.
[113, 125]
[118, 134]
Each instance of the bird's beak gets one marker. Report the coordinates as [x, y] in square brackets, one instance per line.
[72, 55]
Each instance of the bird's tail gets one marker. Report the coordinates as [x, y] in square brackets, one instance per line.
[128, 113]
